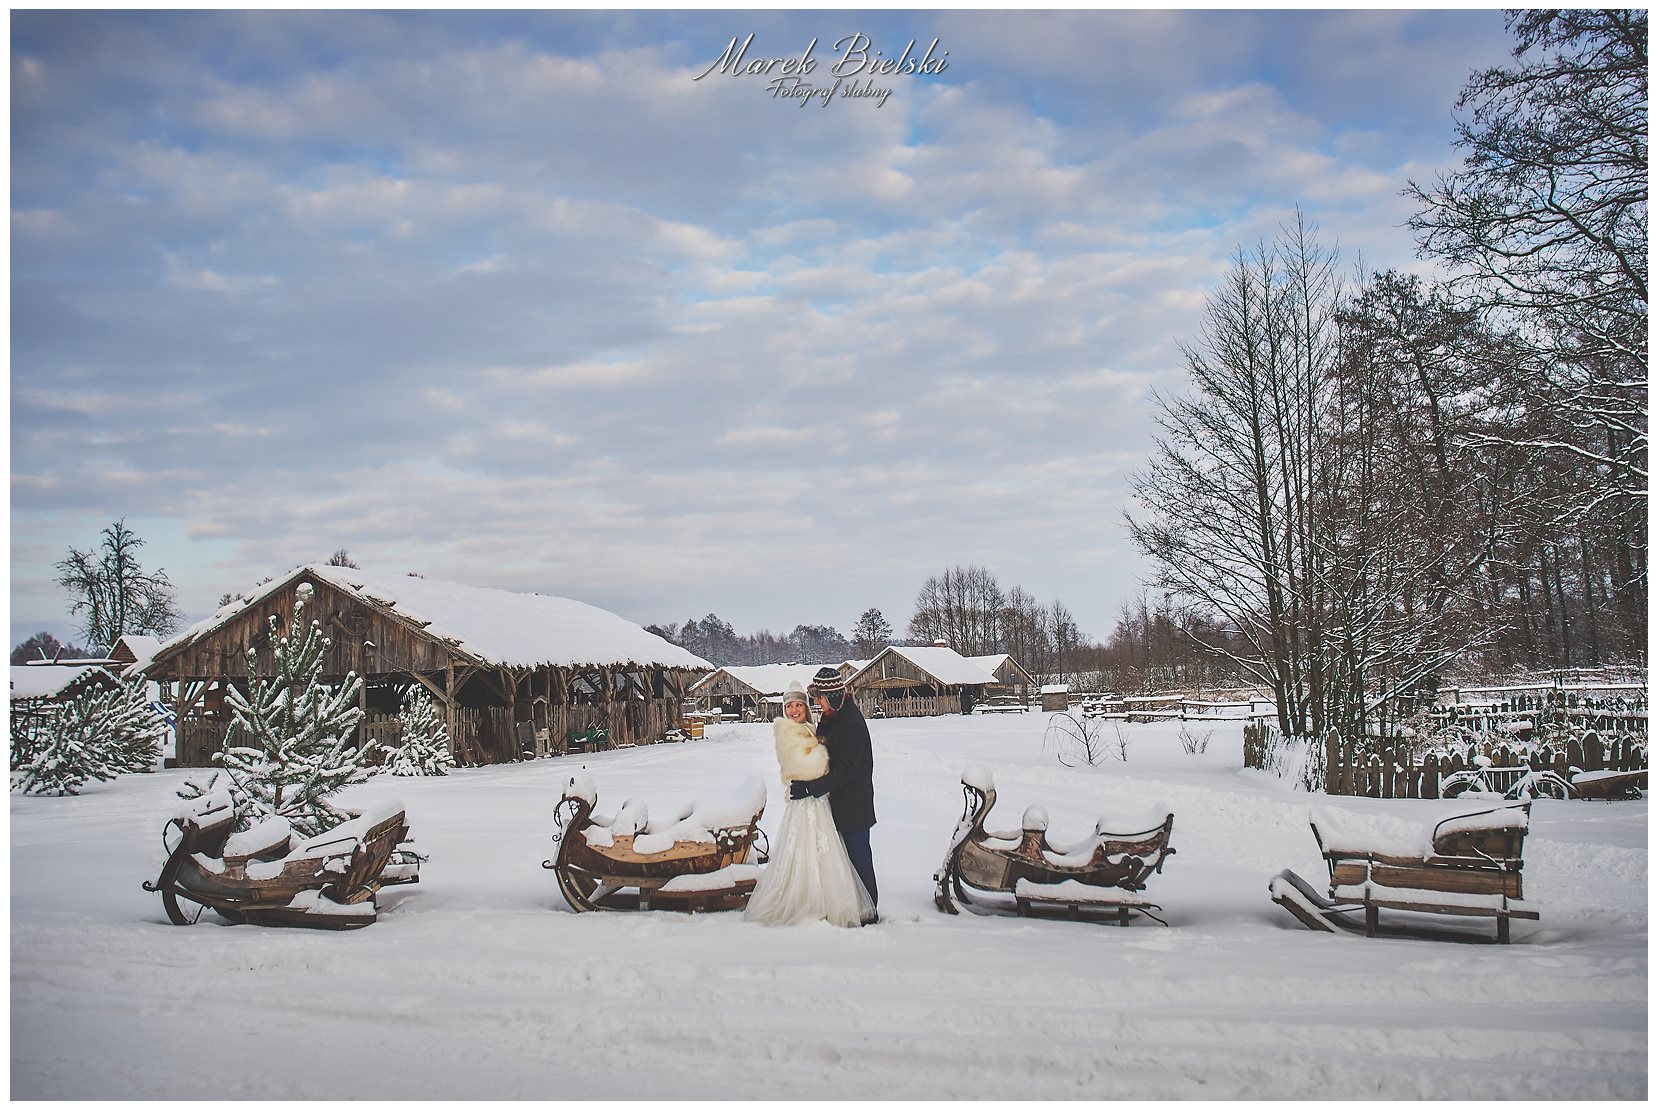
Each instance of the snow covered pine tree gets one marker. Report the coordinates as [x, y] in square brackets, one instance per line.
[296, 732]
[98, 734]
[425, 748]
[136, 730]
[66, 750]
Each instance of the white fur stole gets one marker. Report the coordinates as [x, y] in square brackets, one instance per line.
[799, 755]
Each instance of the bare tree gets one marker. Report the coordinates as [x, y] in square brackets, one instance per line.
[963, 607]
[341, 558]
[1546, 221]
[112, 592]
[1278, 499]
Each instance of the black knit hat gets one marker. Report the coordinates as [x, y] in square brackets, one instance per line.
[826, 680]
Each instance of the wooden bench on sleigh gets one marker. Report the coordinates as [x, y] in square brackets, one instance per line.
[1469, 867]
[1101, 877]
[694, 859]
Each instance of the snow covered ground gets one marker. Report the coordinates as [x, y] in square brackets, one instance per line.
[479, 982]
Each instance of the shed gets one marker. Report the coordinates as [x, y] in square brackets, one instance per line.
[513, 674]
[918, 682]
[133, 652]
[1056, 697]
[753, 691]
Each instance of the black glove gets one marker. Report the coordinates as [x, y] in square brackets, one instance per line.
[800, 789]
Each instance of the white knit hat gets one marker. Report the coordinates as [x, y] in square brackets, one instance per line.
[795, 694]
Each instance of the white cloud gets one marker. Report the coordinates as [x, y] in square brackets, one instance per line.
[532, 313]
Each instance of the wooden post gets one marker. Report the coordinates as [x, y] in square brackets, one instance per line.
[451, 718]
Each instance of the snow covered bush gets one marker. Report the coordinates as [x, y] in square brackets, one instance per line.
[425, 747]
[98, 734]
[66, 750]
[289, 745]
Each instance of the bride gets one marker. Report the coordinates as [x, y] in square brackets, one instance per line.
[809, 877]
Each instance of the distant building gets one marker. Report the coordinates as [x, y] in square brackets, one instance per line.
[919, 682]
[133, 652]
[752, 692]
[1056, 697]
[1012, 680]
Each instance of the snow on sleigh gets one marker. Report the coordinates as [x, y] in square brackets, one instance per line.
[1468, 865]
[1102, 874]
[267, 876]
[697, 858]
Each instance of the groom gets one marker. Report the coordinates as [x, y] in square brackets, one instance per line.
[850, 783]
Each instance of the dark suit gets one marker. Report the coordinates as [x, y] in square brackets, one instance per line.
[850, 784]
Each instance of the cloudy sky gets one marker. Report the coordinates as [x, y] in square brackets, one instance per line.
[517, 300]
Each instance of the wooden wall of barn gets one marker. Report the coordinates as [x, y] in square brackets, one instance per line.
[365, 639]
[500, 714]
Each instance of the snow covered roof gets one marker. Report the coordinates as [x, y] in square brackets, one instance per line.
[48, 680]
[944, 664]
[767, 678]
[495, 627]
[991, 663]
[142, 648]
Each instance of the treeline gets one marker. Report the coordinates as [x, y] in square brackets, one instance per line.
[966, 607]
[716, 641]
[1369, 482]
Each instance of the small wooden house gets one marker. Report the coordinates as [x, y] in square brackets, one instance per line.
[513, 674]
[133, 652]
[751, 692]
[1056, 697]
[1012, 680]
[918, 682]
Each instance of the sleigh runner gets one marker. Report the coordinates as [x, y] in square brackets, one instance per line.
[265, 876]
[1102, 874]
[699, 858]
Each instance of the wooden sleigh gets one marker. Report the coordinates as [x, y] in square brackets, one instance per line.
[1102, 874]
[266, 877]
[695, 860]
[1468, 867]
[1609, 785]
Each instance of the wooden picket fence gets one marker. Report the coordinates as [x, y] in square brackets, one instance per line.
[1387, 769]
[1389, 773]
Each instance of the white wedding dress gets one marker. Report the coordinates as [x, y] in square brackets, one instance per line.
[809, 877]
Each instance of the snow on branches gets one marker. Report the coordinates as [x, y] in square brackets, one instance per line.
[425, 747]
[98, 734]
[289, 745]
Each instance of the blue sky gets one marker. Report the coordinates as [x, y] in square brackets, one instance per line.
[512, 299]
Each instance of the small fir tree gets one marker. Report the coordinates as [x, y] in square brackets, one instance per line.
[69, 748]
[425, 748]
[136, 730]
[295, 733]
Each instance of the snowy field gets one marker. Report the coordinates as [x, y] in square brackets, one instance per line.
[479, 982]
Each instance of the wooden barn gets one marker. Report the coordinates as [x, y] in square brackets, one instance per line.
[515, 675]
[1012, 681]
[918, 682]
[752, 692]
